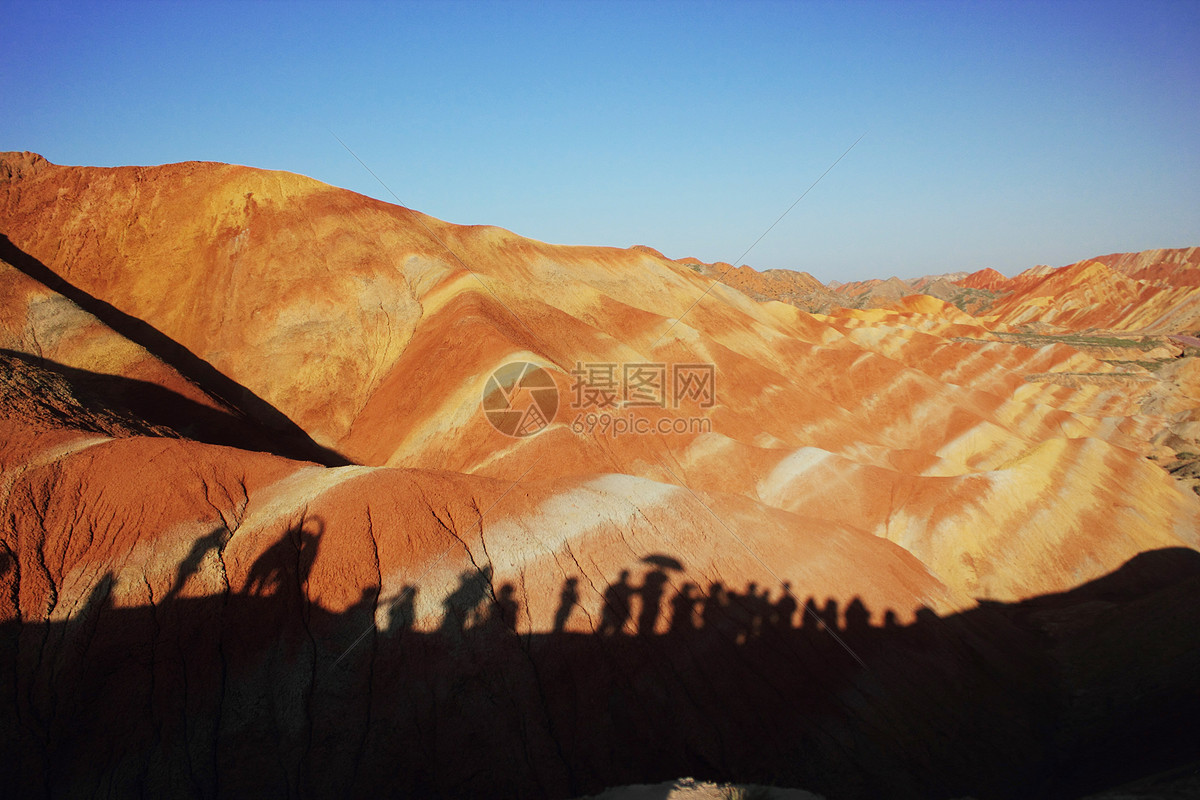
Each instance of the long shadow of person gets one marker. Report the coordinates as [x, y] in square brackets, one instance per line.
[306, 546]
[810, 616]
[830, 615]
[744, 612]
[99, 598]
[858, 622]
[503, 614]
[714, 616]
[461, 607]
[616, 611]
[683, 610]
[402, 612]
[213, 542]
[759, 606]
[567, 600]
[74, 677]
[737, 616]
[290, 559]
[784, 611]
[858, 618]
[651, 593]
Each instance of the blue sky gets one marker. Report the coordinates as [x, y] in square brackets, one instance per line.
[997, 134]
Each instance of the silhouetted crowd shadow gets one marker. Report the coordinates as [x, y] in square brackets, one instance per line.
[737, 616]
[260, 691]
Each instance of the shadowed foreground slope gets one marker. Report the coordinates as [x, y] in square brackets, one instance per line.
[263, 692]
[243, 415]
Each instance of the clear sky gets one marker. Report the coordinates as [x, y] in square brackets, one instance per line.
[997, 134]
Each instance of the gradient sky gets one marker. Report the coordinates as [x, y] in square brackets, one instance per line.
[997, 134]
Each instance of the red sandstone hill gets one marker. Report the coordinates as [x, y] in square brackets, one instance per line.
[1156, 292]
[1152, 292]
[789, 286]
[988, 279]
[1168, 268]
[261, 536]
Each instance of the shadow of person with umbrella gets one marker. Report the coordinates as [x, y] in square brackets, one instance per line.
[652, 590]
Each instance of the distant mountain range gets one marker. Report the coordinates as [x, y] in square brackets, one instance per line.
[1153, 291]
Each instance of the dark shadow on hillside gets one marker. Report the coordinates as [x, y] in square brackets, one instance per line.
[290, 439]
[111, 404]
[261, 692]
